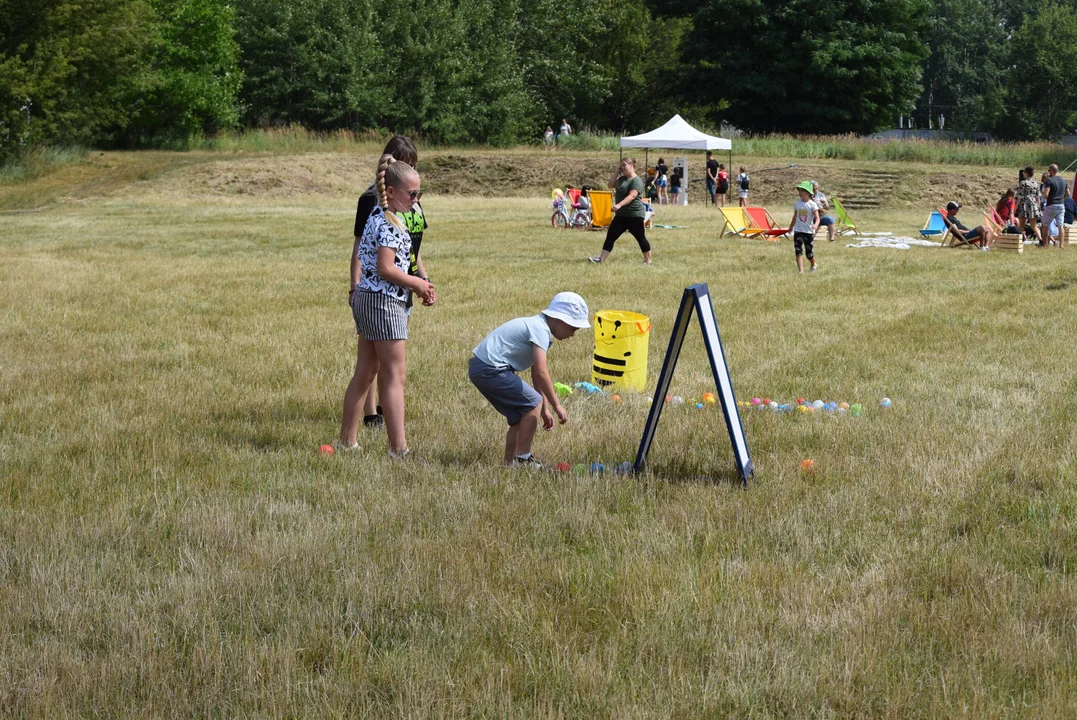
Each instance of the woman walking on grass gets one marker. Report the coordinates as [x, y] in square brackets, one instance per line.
[407, 214]
[628, 211]
[1028, 203]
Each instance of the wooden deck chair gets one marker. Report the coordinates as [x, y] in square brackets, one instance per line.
[952, 239]
[935, 225]
[764, 221]
[736, 223]
[841, 216]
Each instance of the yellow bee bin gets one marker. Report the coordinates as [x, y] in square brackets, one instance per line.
[621, 349]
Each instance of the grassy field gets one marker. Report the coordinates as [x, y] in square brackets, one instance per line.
[172, 354]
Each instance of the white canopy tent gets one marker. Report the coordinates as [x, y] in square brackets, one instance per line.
[676, 134]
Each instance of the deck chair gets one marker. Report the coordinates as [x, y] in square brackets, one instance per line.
[737, 223]
[951, 239]
[601, 208]
[935, 225]
[841, 217]
[764, 222]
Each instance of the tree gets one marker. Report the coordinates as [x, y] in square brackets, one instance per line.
[963, 74]
[1041, 96]
[805, 67]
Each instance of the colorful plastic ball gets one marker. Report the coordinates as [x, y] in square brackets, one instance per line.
[818, 404]
[856, 410]
[699, 406]
[563, 467]
[677, 400]
[773, 405]
[811, 408]
[668, 399]
[800, 401]
[844, 406]
[766, 401]
[756, 401]
[326, 450]
[709, 398]
[648, 401]
[885, 402]
[624, 468]
[803, 408]
[580, 469]
[808, 465]
[597, 467]
[616, 399]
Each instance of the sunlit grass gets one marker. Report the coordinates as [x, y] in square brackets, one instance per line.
[172, 543]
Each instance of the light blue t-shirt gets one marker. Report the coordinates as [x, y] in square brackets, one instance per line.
[512, 344]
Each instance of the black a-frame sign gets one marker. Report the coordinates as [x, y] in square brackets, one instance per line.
[699, 297]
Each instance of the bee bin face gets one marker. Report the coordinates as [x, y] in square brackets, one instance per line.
[621, 349]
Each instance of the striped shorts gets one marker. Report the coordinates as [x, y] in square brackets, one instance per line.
[379, 317]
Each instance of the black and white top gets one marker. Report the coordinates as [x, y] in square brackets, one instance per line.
[379, 233]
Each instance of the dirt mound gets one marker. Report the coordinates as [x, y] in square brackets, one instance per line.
[491, 174]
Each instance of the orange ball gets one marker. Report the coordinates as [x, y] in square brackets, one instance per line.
[616, 399]
[808, 465]
[326, 449]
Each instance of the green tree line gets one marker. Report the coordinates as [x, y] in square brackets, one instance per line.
[135, 73]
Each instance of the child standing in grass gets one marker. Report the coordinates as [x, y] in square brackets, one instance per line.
[514, 347]
[804, 224]
[380, 303]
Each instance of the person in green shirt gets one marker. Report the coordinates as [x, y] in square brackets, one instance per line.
[628, 211]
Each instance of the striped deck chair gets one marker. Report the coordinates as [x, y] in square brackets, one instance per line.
[764, 221]
[841, 217]
[737, 223]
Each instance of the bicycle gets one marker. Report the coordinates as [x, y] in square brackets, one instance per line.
[562, 220]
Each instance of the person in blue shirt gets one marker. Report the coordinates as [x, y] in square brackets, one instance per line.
[514, 347]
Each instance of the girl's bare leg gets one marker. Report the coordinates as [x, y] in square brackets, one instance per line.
[392, 373]
[358, 395]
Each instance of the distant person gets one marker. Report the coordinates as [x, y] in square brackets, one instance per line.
[825, 218]
[803, 225]
[723, 184]
[1028, 203]
[1054, 191]
[743, 183]
[675, 187]
[1071, 209]
[511, 349]
[566, 130]
[978, 235]
[712, 178]
[582, 216]
[628, 211]
[662, 180]
[547, 138]
[1006, 209]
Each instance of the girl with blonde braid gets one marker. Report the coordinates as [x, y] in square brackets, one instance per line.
[380, 301]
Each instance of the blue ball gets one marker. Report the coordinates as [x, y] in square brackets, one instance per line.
[886, 402]
[597, 468]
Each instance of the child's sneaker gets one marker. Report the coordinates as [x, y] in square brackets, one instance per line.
[527, 461]
[812, 268]
[373, 421]
[399, 455]
[595, 260]
[342, 448]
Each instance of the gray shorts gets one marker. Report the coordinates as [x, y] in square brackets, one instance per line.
[379, 317]
[505, 390]
[1057, 213]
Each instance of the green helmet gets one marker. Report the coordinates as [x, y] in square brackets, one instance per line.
[807, 187]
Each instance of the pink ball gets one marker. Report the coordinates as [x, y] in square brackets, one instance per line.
[756, 401]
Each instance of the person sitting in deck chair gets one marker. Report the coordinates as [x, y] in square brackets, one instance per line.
[582, 206]
[978, 235]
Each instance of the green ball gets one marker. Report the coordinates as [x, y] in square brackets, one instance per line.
[581, 469]
[856, 410]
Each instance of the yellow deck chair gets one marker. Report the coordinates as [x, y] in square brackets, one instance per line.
[841, 217]
[601, 208]
[738, 223]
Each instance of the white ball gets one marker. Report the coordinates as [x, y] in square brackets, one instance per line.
[885, 402]
[677, 400]
[773, 405]
[818, 404]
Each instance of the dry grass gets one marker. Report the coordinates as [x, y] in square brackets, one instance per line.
[171, 543]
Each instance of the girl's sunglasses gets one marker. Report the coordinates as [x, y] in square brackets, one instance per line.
[415, 195]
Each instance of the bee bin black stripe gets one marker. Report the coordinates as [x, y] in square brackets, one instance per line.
[609, 361]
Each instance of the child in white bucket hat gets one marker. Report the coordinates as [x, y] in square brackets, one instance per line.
[514, 347]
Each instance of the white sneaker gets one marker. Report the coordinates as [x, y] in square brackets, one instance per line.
[812, 268]
[342, 448]
[595, 260]
[527, 461]
[646, 262]
[402, 455]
